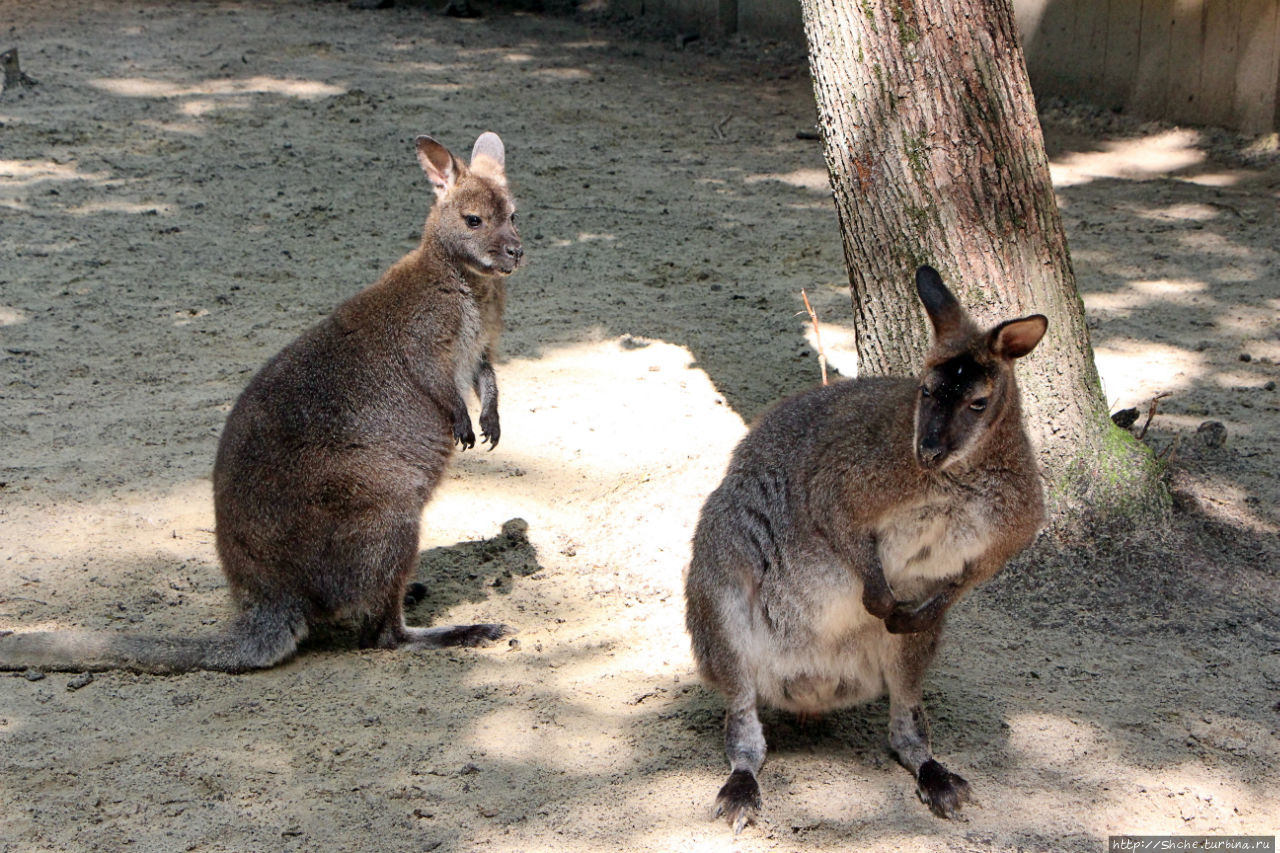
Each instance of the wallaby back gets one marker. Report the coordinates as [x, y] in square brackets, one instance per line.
[335, 446]
[850, 519]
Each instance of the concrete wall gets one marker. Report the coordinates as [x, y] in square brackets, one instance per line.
[1214, 62]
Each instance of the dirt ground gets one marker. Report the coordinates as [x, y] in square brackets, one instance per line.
[193, 183]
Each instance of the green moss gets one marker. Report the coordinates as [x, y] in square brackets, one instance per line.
[916, 149]
[922, 219]
[907, 32]
[869, 9]
[882, 83]
[1120, 481]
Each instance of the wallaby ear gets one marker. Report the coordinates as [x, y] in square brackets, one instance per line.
[1016, 338]
[488, 157]
[442, 168]
[944, 311]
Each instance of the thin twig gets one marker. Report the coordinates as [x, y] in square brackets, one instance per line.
[1171, 451]
[817, 335]
[1151, 413]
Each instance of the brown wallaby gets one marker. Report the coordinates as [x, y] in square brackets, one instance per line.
[850, 519]
[334, 448]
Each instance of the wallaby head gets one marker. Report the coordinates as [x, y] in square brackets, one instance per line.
[473, 219]
[967, 385]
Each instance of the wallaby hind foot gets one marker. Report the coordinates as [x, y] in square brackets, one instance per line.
[937, 787]
[458, 635]
[940, 789]
[440, 636]
[739, 800]
[739, 797]
[851, 518]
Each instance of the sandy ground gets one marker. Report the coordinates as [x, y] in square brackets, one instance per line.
[192, 184]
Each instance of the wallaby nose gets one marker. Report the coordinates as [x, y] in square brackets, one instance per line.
[514, 250]
[929, 454]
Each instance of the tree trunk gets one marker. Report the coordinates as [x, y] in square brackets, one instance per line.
[936, 156]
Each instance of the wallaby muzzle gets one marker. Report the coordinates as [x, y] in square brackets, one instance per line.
[935, 439]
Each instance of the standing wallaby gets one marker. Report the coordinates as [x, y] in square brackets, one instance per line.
[335, 446]
[850, 519]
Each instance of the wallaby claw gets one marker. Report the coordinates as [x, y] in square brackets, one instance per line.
[463, 434]
[489, 430]
[739, 800]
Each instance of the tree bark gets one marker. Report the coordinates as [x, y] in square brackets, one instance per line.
[936, 156]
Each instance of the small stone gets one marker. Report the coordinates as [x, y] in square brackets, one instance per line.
[516, 529]
[81, 680]
[1244, 356]
[1212, 433]
[414, 593]
[1270, 386]
[1125, 418]
[33, 675]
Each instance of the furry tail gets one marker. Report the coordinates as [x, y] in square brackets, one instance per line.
[255, 640]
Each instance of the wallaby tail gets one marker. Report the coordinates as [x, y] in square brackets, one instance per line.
[255, 640]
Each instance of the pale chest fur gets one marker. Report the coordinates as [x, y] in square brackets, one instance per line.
[843, 653]
[923, 544]
[470, 347]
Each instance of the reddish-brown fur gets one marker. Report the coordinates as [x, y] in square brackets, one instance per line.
[850, 519]
[334, 448]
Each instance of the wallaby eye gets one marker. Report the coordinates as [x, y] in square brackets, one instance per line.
[472, 220]
[979, 404]
[513, 219]
[924, 392]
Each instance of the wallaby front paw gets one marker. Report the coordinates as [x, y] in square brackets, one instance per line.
[906, 619]
[941, 790]
[489, 429]
[880, 606]
[463, 434]
[739, 800]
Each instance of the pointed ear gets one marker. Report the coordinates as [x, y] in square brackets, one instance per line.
[1016, 338]
[442, 168]
[488, 157]
[944, 311]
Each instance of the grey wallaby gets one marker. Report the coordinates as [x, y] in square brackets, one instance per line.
[336, 445]
[850, 519]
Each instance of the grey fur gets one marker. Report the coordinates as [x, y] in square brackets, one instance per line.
[336, 445]
[850, 519]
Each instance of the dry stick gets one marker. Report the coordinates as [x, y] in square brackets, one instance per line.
[1151, 413]
[817, 335]
[13, 73]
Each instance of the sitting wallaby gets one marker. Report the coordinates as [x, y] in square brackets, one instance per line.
[850, 519]
[334, 448]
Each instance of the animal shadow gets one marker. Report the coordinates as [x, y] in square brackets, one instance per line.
[470, 572]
